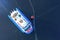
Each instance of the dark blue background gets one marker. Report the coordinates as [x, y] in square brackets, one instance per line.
[47, 19]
